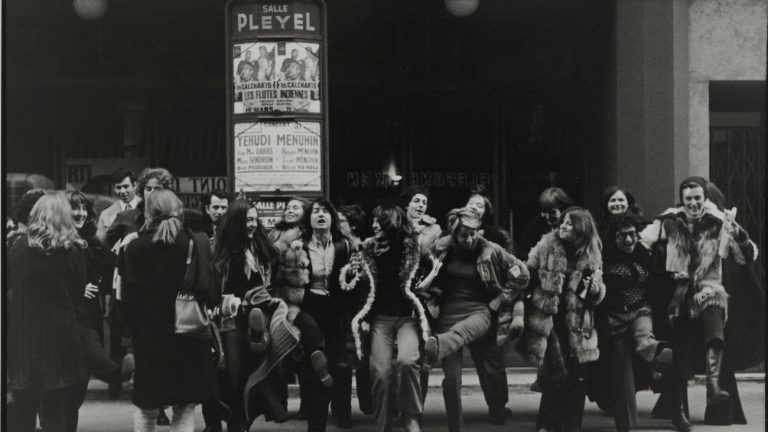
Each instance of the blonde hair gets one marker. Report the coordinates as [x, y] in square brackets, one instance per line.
[462, 216]
[587, 240]
[50, 224]
[164, 211]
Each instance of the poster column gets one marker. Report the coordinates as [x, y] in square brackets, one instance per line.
[277, 104]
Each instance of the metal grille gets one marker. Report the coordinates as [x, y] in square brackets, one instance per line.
[737, 166]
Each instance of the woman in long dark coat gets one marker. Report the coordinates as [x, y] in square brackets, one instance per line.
[46, 278]
[171, 369]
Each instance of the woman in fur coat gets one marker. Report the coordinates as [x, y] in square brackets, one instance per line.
[559, 332]
[475, 277]
[392, 313]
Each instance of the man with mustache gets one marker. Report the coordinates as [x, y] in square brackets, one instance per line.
[125, 191]
[696, 237]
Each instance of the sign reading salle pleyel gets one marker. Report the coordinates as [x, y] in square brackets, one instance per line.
[277, 97]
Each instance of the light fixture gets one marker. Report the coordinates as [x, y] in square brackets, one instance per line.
[90, 9]
[461, 8]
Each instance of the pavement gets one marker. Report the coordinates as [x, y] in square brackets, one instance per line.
[98, 414]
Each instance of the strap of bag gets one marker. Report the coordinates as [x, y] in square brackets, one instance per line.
[189, 253]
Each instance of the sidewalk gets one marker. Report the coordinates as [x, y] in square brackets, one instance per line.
[519, 379]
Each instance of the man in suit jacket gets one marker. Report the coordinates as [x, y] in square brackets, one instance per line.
[125, 190]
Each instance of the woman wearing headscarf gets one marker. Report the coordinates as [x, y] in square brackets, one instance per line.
[559, 331]
[47, 271]
[392, 313]
[475, 277]
[172, 369]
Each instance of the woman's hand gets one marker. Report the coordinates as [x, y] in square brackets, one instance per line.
[702, 295]
[91, 291]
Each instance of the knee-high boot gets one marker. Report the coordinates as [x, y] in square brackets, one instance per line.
[679, 417]
[714, 365]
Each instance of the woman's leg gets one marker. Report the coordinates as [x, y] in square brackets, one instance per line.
[461, 333]
[183, 418]
[22, 411]
[407, 372]
[712, 322]
[380, 365]
[488, 357]
[452, 390]
[235, 346]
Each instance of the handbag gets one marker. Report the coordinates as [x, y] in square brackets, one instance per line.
[191, 319]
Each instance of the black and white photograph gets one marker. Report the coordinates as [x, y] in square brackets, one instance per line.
[384, 215]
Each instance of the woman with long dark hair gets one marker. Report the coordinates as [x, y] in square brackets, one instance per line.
[559, 332]
[172, 369]
[244, 258]
[393, 314]
[47, 272]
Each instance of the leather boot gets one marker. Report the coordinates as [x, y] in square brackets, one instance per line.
[320, 365]
[714, 364]
[679, 418]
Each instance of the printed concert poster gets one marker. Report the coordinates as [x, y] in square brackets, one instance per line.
[276, 77]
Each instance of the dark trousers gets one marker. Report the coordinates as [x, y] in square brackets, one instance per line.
[562, 384]
[321, 325]
[57, 410]
[489, 364]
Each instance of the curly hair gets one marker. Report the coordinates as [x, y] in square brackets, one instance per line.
[51, 226]
[160, 174]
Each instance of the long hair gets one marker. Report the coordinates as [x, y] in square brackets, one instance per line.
[393, 223]
[164, 212]
[463, 216]
[232, 236]
[358, 220]
[715, 195]
[587, 241]
[306, 221]
[26, 202]
[50, 225]
[77, 199]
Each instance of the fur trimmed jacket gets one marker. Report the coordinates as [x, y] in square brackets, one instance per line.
[363, 271]
[697, 250]
[504, 276]
[556, 287]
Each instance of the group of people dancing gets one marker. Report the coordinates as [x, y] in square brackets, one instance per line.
[330, 293]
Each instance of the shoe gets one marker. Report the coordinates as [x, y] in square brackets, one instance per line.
[344, 423]
[662, 358]
[536, 386]
[162, 419]
[431, 351]
[499, 417]
[320, 365]
[257, 334]
[715, 395]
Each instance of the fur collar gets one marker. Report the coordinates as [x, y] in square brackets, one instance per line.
[409, 267]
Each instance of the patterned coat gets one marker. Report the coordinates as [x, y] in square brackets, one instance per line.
[555, 283]
[698, 252]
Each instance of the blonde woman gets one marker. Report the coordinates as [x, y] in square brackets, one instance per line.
[46, 274]
[171, 369]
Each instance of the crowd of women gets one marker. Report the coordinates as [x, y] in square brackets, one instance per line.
[327, 292]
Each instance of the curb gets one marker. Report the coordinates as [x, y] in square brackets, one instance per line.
[519, 379]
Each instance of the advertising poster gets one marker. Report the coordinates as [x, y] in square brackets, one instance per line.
[278, 156]
[276, 77]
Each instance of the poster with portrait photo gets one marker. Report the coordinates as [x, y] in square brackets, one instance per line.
[276, 77]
